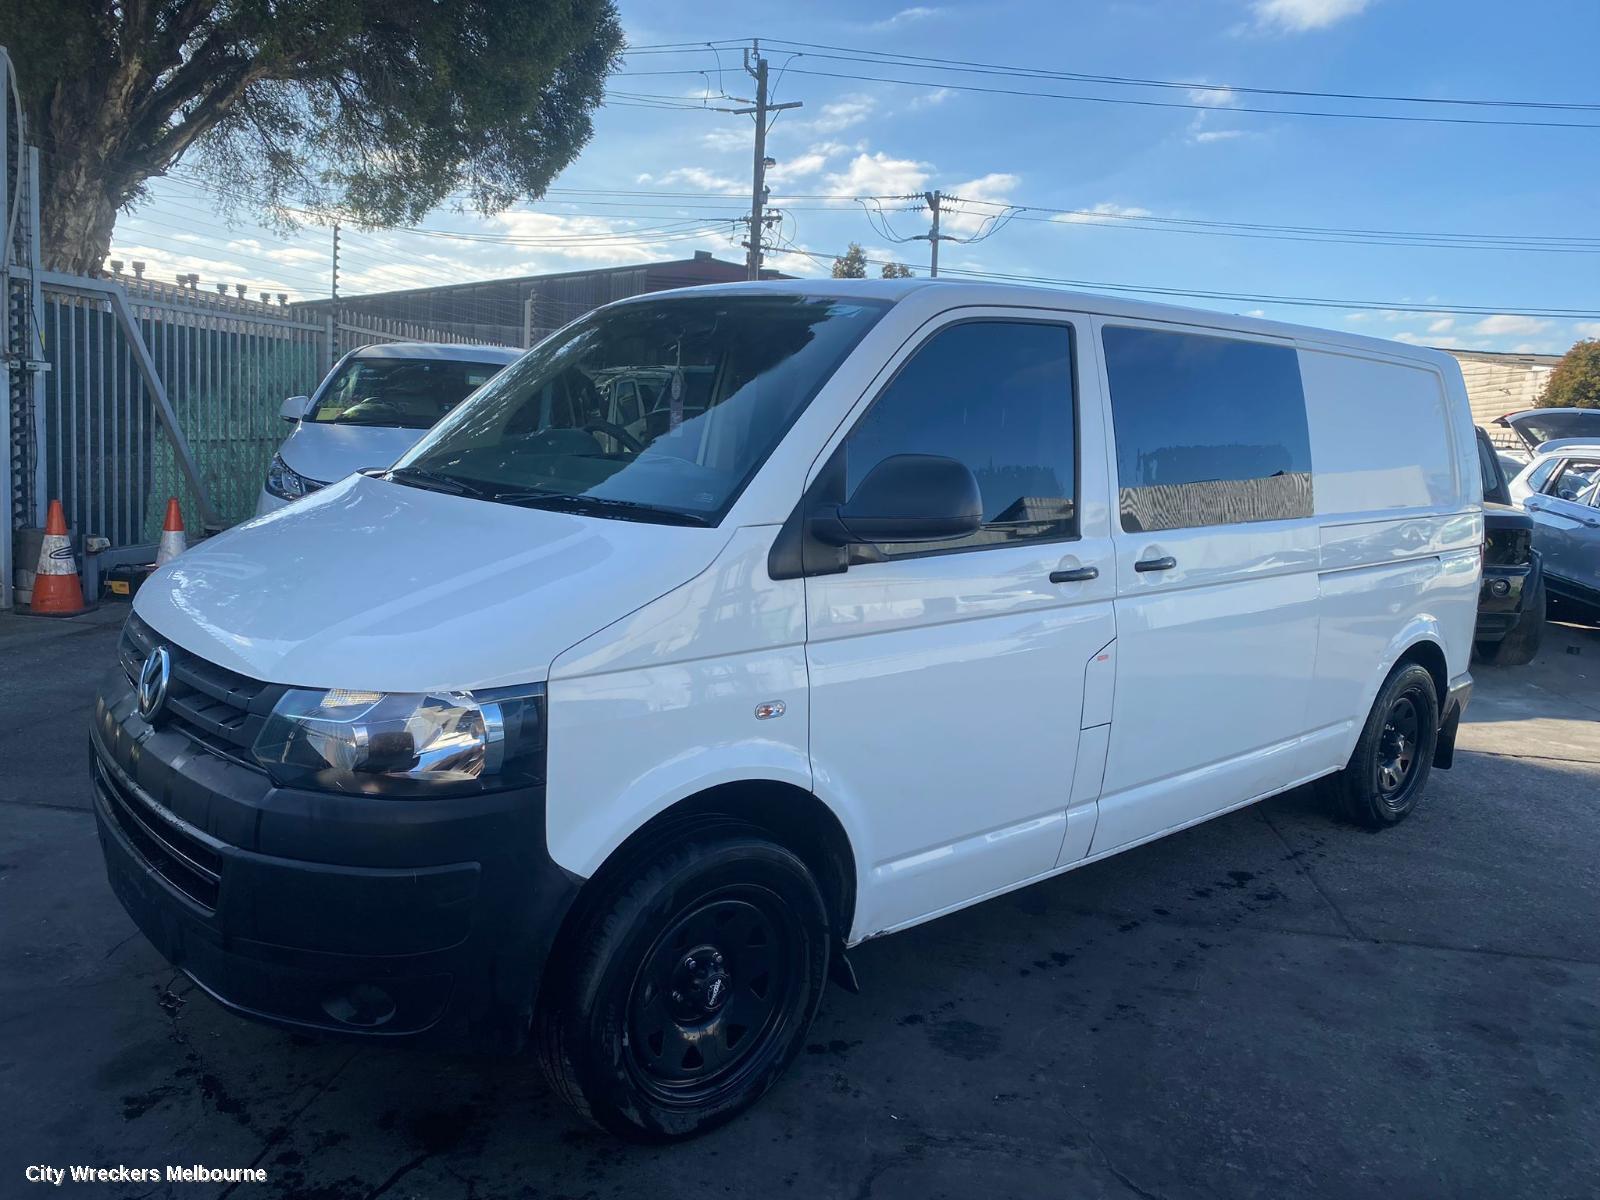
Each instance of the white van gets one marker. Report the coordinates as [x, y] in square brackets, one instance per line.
[615, 735]
[371, 409]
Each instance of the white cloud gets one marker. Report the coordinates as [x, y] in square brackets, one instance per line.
[800, 166]
[1442, 325]
[1587, 329]
[879, 175]
[929, 99]
[699, 177]
[994, 189]
[1200, 131]
[906, 16]
[1099, 211]
[839, 115]
[1411, 339]
[1219, 96]
[1504, 324]
[1303, 16]
[729, 137]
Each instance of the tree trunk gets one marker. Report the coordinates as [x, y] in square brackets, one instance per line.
[78, 211]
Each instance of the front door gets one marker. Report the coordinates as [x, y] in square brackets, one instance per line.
[1216, 573]
[947, 679]
[1567, 523]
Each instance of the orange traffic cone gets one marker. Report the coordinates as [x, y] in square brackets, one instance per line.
[173, 539]
[56, 590]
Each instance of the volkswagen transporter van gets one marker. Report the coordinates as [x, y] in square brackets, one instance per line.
[371, 409]
[612, 736]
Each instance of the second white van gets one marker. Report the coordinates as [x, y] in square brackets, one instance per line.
[611, 730]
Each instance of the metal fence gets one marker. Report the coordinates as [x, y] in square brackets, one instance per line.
[225, 369]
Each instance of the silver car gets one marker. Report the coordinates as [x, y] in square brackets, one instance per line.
[1560, 489]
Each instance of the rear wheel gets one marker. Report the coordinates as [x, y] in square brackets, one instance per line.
[1385, 776]
[688, 988]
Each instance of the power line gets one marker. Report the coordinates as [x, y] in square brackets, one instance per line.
[1192, 107]
[1239, 297]
[968, 66]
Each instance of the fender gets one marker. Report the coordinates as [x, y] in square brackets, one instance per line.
[703, 687]
[1422, 627]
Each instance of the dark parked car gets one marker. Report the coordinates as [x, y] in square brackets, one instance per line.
[1511, 599]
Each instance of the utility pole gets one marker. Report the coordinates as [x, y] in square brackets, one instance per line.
[331, 332]
[933, 234]
[758, 173]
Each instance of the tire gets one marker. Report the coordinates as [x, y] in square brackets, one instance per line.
[687, 986]
[1521, 645]
[1386, 774]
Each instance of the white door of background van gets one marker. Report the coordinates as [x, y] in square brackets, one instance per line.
[1216, 554]
[948, 680]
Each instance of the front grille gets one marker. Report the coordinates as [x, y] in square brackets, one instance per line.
[221, 710]
[178, 852]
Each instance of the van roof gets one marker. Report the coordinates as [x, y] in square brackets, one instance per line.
[975, 293]
[454, 352]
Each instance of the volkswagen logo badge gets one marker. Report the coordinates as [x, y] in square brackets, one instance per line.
[152, 686]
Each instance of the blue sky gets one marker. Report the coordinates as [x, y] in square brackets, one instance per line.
[1140, 167]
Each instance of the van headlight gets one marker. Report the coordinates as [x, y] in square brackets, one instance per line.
[416, 744]
[284, 482]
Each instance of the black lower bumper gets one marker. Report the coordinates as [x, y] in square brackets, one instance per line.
[388, 919]
[1503, 597]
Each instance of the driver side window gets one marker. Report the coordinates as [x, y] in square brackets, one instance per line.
[1573, 478]
[997, 396]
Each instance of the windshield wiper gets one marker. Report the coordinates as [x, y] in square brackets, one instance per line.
[627, 510]
[435, 481]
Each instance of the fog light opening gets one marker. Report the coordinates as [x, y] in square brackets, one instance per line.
[364, 1005]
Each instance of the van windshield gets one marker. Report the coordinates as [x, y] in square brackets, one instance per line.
[658, 410]
[411, 393]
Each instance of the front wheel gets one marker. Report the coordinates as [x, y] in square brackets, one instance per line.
[1385, 776]
[688, 987]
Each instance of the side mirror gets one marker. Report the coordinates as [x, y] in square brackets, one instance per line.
[905, 498]
[295, 407]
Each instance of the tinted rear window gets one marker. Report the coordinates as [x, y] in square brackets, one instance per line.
[1209, 430]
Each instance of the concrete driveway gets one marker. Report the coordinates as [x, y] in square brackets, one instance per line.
[1270, 1005]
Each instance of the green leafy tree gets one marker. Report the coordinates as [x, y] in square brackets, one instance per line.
[896, 271]
[852, 264]
[1575, 383]
[377, 110]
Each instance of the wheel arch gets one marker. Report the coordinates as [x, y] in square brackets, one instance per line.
[794, 817]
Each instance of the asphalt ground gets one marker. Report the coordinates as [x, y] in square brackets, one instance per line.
[1270, 1005]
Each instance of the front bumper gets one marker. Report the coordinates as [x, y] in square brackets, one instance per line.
[1503, 596]
[389, 919]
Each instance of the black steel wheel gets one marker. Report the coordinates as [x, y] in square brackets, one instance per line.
[1390, 766]
[1396, 760]
[709, 993]
[687, 985]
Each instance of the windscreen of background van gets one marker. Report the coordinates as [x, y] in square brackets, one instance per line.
[408, 393]
[658, 410]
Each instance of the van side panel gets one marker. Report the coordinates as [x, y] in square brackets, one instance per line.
[1401, 524]
[1380, 435]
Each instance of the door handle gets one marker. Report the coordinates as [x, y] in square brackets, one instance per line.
[1165, 563]
[1075, 575]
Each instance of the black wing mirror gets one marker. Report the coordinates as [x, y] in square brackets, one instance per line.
[905, 498]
